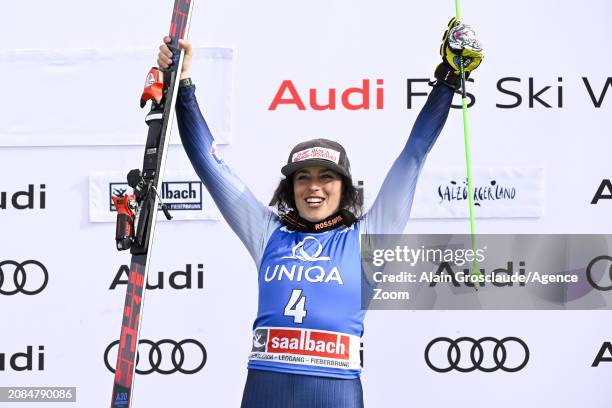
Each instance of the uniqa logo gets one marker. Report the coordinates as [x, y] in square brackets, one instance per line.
[299, 252]
[307, 250]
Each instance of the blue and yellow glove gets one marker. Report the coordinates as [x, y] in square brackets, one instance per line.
[458, 41]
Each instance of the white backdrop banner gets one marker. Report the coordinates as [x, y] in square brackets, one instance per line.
[96, 95]
[498, 193]
[540, 129]
[183, 193]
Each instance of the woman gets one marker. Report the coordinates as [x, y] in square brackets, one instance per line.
[307, 332]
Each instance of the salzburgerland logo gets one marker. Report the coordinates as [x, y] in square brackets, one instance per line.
[180, 279]
[454, 191]
[307, 250]
[595, 276]
[177, 195]
[498, 354]
[186, 356]
[20, 272]
[24, 361]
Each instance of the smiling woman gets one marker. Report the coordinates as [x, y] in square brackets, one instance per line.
[317, 192]
[317, 187]
[306, 337]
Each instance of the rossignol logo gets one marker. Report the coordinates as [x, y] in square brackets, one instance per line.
[466, 354]
[28, 278]
[29, 360]
[177, 195]
[599, 272]
[309, 251]
[329, 223]
[164, 356]
[31, 198]
[604, 355]
[604, 191]
[181, 279]
[458, 191]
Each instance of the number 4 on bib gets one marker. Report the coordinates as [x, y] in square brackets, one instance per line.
[295, 307]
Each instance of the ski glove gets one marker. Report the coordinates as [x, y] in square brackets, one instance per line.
[458, 41]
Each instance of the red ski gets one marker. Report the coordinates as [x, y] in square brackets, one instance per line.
[137, 212]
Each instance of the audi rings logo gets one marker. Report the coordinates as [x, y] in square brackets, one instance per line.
[593, 275]
[299, 251]
[164, 357]
[497, 352]
[29, 277]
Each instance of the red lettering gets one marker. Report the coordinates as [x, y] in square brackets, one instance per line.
[332, 345]
[353, 98]
[380, 97]
[302, 156]
[295, 96]
[331, 101]
[364, 91]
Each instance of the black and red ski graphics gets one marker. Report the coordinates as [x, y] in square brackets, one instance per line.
[137, 212]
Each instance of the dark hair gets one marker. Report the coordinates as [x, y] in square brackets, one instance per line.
[351, 198]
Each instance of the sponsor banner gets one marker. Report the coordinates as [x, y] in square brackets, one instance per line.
[309, 347]
[93, 107]
[512, 192]
[183, 193]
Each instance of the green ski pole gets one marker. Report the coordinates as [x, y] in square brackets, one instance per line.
[468, 162]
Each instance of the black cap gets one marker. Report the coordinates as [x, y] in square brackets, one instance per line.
[318, 152]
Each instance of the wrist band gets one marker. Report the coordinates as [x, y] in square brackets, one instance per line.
[185, 82]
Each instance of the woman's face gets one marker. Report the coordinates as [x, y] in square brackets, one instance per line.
[317, 192]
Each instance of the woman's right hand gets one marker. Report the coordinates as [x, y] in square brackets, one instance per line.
[164, 57]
